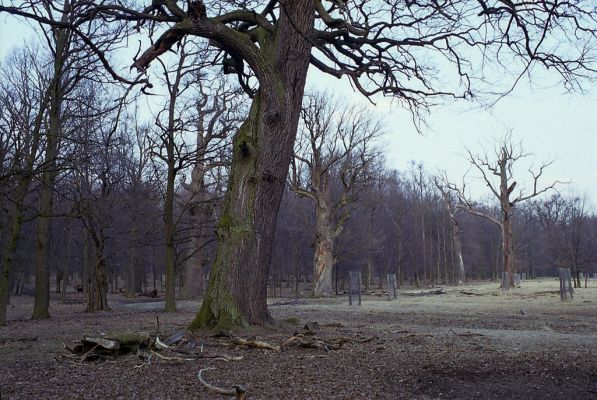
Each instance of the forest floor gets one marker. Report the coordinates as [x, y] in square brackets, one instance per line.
[476, 344]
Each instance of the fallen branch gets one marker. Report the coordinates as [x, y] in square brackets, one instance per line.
[170, 358]
[425, 293]
[219, 357]
[470, 293]
[258, 344]
[238, 391]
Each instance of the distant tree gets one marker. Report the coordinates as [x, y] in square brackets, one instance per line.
[566, 221]
[218, 114]
[451, 204]
[24, 99]
[99, 172]
[497, 172]
[335, 143]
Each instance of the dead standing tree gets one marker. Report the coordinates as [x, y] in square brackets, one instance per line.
[497, 173]
[383, 47]
[335, 143]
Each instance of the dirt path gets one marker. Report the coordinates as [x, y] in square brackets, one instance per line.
[522, 345]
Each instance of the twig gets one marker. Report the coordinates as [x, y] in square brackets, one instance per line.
[171, 358]
[84, 356]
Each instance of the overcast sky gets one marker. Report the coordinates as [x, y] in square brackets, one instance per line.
[551, 124]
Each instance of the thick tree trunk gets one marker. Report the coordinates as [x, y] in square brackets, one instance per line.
[237, 289]
[97, 296]
[324, 252]
[508, 247]
[194, 270]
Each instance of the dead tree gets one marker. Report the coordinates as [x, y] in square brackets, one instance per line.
[497, 172]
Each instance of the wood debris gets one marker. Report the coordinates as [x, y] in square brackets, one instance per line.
[238, 391]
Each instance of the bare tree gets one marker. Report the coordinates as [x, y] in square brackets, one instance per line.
[566, 222]
[98, 173]
[218, 115]
[336, 142]
[173, 123]
[497, 172]
[25, 97]
[451, 204]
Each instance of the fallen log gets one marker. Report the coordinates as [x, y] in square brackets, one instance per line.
[110, 345]
[426, 292]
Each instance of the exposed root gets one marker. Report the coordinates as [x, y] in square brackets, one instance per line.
[238, 391]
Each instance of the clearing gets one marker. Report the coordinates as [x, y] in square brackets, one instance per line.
[471, 343]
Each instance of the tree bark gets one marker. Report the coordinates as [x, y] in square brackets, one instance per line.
[237, 290]
[97, 296]
[324, 251]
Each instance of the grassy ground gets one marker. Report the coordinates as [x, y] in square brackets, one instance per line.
[472, 342]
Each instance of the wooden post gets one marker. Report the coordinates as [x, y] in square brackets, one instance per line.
[354, 286]
[392, 287]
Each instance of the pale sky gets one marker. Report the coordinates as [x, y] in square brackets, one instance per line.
[550, 123]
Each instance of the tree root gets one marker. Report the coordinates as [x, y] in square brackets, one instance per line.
[238, 391]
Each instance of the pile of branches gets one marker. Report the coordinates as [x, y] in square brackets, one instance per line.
[181, 346]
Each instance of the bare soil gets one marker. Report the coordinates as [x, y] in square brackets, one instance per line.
[525, 344]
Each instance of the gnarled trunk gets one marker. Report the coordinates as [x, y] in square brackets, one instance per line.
[237, 289]
[97, 297]
[324, 252]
